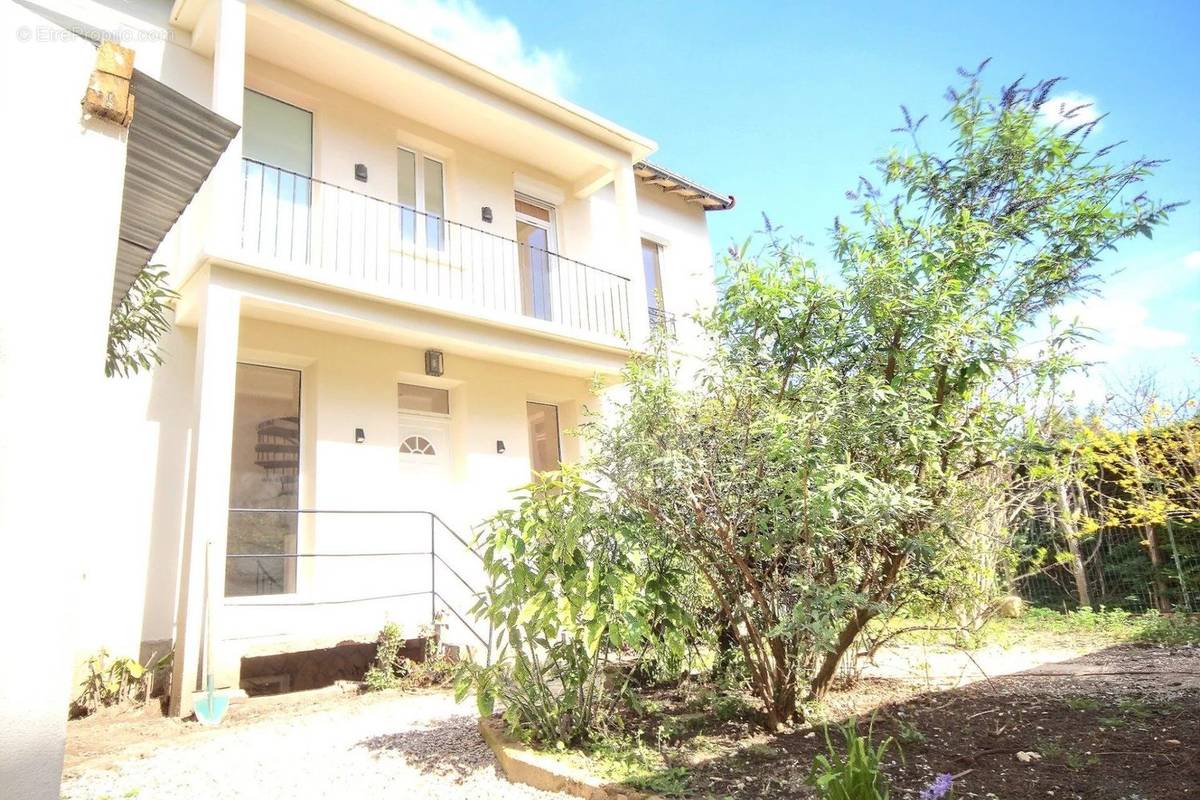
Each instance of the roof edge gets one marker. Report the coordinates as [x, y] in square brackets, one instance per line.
[674, 183]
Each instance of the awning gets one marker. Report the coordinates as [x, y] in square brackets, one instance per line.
[174, 142]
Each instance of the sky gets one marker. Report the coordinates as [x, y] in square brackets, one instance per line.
[785, 104]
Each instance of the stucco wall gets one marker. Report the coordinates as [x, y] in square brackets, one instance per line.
[54, 298]
[350, 383]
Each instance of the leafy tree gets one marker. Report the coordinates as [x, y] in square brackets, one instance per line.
[828, 462]
[137, 323]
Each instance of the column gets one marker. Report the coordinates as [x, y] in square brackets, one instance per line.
[628, 251]
[228, 94]
[208, 497]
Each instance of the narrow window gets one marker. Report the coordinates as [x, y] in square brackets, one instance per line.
[652, 264]
[544, 451]
[406, 178]
[264, 474]
[423, 399]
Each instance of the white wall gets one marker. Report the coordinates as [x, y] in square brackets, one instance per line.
[350, 383]
[54, 300]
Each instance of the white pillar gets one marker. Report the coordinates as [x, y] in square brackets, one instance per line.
[228, 94]
[208, 498]
[629, 251]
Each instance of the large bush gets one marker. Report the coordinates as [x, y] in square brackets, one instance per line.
[834, 457]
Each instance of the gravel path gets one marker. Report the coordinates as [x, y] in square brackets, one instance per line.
[413, 746]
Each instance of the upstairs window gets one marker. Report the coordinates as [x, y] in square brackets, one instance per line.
[276, 133]
[652, 265]
[421, 186]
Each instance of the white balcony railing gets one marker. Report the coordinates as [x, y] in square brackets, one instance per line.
[327, 231]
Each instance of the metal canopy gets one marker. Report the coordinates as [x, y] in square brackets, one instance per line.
[689, 190]
[174, 143]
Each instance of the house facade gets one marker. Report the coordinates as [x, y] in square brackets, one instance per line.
[404, 284]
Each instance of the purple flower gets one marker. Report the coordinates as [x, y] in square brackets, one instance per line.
[939, 788]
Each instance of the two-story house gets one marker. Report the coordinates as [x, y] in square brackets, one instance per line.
[399, 290]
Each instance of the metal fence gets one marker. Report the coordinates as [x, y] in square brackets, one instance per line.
[346, 571]
[1119, 573]
[325, 230]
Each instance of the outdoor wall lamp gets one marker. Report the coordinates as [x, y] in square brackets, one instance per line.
[486, 213]
[434, 363]
[360, 172]
[500, 446]
[359, 436]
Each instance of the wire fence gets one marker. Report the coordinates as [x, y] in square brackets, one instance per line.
[1119, 572]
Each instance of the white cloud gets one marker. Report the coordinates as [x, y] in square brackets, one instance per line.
[1120, 327]
[463, 28]
[1069, 109]
[1192, 260]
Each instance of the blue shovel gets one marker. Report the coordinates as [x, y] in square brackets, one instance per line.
[211, 708]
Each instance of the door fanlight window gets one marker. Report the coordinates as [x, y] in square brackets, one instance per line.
[417, 445]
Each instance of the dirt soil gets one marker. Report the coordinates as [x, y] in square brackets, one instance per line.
[1122, 723]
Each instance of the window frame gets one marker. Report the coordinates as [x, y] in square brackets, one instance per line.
[301, 484]
[312, 130]
[557, 432]
[419, 158]
[660, 299]
[550, 226]
[418, 413]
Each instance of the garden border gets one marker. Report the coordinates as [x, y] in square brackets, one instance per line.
[522, 764]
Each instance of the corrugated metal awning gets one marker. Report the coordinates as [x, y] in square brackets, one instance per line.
[174, 142]
[689, 190]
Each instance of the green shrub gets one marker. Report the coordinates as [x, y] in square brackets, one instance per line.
[124, 680]
[858, 774]
[385, 672]
[392, 670]
[571, 585]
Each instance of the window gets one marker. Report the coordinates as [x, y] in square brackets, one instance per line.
[535, 241]
[418, 445]
[544, 450]
[421, 186]
[652, 264]
[423, 399]
[277, 133]
[277, 171]
[264, 474]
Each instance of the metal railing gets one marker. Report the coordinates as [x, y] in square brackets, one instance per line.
[271, 585]
[664, 320]
[331, 231]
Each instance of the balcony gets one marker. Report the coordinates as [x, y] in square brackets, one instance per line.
[326, 233]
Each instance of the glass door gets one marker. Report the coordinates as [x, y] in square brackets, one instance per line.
[264, 474]
[535, 242]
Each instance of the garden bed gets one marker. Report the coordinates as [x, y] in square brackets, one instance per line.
[1119, 724]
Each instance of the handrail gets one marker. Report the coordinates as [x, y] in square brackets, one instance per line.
[330, 229]
[426, 214]
[432, 553]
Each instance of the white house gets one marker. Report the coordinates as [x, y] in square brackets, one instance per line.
[399, 288]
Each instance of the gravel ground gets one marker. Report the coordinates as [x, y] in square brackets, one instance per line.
[412, 746]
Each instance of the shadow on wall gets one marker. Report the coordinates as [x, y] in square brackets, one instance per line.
[170, 405]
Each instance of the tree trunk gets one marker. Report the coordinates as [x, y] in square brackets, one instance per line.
[1072, 536]
[1162, 600]
[821, 682]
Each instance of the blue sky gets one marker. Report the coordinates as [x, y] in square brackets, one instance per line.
[785, 104]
